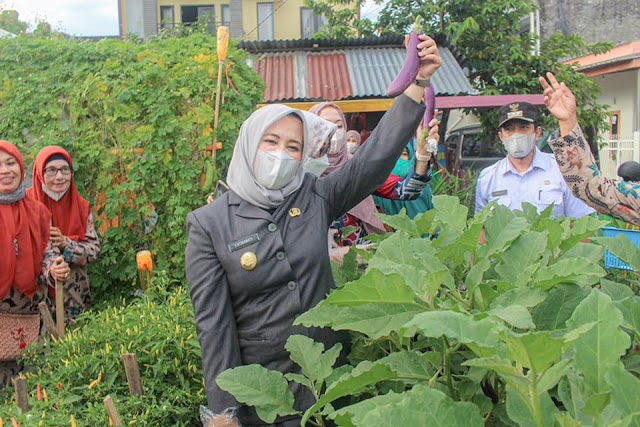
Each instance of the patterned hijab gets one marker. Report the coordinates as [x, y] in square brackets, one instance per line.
[366, 210]
[337, 159]
[24, 235]
[241, 178]
[70, 213]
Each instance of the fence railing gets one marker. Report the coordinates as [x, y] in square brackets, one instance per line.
[617, 151]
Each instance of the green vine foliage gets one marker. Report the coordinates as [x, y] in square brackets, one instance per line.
[526, 328]
[136, 117]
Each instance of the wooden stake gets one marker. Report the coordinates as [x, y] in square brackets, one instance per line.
[114, 416]
[22, 400]
[132, 369]
[48, 320]
[215, 114]
[59, 308]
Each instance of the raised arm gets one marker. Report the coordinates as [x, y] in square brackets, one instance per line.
[617, 198]
[372, 163]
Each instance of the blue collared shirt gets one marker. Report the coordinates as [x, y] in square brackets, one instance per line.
[541, 185]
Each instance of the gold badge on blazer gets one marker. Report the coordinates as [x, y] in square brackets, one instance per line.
[248, 261]
[294, 212]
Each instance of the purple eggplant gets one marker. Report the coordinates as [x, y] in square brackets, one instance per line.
[430, 103]
[409, 70]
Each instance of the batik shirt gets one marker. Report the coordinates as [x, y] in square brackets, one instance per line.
[617, 198]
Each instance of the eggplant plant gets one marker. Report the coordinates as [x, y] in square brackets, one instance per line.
[507, 318]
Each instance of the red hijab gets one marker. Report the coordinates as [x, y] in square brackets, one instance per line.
[70, 213]
[25, 225]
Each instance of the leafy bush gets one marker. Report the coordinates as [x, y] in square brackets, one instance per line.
[78, 371]
[524, 329]
[136, 117]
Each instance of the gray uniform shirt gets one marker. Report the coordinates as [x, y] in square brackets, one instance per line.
[245, 316]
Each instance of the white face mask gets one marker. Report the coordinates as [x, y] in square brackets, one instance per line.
[55, 196]
[337, 141]
[316, 166]
[274, 169]
[519, 145]
[352, 147]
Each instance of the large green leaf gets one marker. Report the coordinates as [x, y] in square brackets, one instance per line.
[311, 357]
[464, 328]
[523, 252]
[616, 291]
[373, 287]
[582, 227]
[630, 309]
[602, 346]
[363, 375]
[515, 315]
[590, 251]
[413, 259]
[526, 297]
[553, 375]
[534, 350]
[400, 222]
[521, 409]
[373, 320]
[450, 212]
[476, 273]
[499, 240]
[623, 248]
[420, 407]
[554, 311]
[255, 385]
[580, 271]
[409, 365]
[625, 393]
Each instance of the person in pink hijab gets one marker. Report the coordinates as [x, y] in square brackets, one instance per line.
[363, 215]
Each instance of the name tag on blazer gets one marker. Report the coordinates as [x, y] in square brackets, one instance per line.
[499, 193]
[244, 242]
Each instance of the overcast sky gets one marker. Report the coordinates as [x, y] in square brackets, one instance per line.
[75, 17]
[87, 17]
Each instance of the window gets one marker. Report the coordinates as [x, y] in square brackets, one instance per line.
[225, 14]
[614, 125]
[310, 22]
[193, 14]
[265, 21]
[167, 19]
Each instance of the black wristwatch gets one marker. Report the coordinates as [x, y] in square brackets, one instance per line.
[422, 82]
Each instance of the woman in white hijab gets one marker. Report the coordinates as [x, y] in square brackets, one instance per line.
[257, 256]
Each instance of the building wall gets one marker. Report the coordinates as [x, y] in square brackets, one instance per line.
[286, 16]
[620, 93]
[616, 21]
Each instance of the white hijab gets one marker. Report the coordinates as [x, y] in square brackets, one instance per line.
[241, 178]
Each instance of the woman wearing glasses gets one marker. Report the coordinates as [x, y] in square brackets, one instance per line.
[72, 229]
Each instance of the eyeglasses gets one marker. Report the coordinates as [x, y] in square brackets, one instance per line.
[51, 172]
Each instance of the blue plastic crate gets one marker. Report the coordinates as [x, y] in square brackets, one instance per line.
[610, 260]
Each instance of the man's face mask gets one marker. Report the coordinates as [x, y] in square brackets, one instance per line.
[337, 141]
[519, 145]
[274, 169]
[316, 166]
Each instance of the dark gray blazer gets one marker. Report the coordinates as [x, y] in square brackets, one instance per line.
[245, 317]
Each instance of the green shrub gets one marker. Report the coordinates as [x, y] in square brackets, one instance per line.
[158, 327]
[103, 102]
[526, 329]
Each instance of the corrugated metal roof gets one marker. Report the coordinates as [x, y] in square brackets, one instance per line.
[358, 68]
